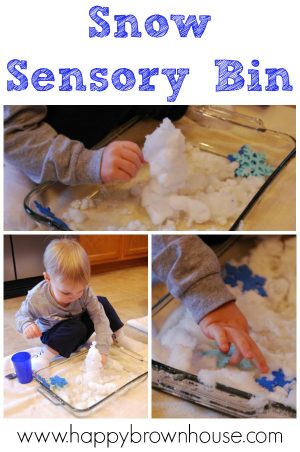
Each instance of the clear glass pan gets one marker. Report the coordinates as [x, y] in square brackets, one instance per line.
[228, 400]
[129, 369]
[214, 130]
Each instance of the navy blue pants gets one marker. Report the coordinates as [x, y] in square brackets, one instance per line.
[66, 336]
[90, 123]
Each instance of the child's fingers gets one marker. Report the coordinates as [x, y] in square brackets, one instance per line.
[121, 175]
[38, 332]
[236, 357]
[247, 348]
[132, 146]
[128, 168]
[132, 157]
[241, 341]
[33, 332]
[259, 358]
[133, 149]
[218, 333]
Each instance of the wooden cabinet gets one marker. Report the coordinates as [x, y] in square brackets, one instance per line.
[108, 252]
[102, 248]
[135, 246]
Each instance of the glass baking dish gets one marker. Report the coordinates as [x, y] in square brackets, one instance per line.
[214, 130]
[124, 370]
[225, 399]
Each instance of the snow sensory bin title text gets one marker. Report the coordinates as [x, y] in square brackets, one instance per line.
[229, 74]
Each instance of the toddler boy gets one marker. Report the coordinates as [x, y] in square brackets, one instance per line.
[63, 310]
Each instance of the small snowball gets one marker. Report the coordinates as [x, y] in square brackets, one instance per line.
[112, 228]
[195, 210]
[180, 357]
[136, 225]
[76, 204]
[75, 215]
[169, 225]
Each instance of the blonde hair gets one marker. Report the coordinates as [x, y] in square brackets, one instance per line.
[67, 259]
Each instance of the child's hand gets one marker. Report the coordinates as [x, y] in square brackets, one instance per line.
[32, 331]
[121, 161]
[227, 325]
[103, 359]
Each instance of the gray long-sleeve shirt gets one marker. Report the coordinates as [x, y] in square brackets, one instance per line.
[35, 148]
[191, 271]
[41, 308]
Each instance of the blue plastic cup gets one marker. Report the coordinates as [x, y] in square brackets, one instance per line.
[22, 365]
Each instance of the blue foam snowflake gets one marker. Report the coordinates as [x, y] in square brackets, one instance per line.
[251, 163]
[279, 379]
[58, 382]
[49, 214]
[223, 360]
[245, 275]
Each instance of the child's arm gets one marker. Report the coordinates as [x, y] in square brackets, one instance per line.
[101, 324]
[25, 320]
[192, 273]
[34, 147]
